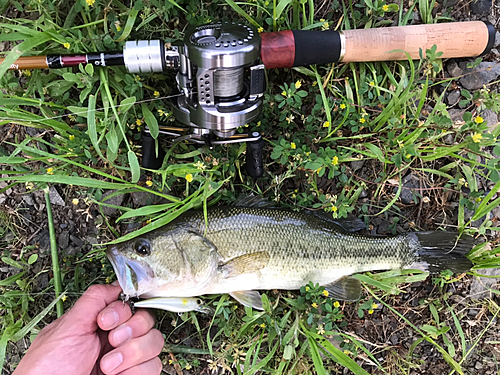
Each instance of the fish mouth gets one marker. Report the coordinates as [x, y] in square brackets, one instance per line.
[135, 277]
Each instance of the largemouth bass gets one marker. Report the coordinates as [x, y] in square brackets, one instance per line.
[243, 249]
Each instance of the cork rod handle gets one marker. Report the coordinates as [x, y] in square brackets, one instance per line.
[28, 62]
[460, 39]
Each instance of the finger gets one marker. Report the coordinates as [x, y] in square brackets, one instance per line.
[133, 353]
[151, 367]
[113, 315]
[138, 325]
[88, 306]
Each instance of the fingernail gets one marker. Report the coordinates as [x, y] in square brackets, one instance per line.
[111, 361]
[121, 334]
[109, 318]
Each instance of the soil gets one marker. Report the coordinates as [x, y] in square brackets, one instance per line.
[80, 226]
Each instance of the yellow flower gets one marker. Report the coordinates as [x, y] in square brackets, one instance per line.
[283, 93]
[372, 83]
[75, 201]
[298, 84]
[315, 305]
[50, 170]
[385, 8]
[321, 330]
[347, 352]
[156, 94]
[138, 122]
[118, 26]
[336, 304]
[64, 298]
[293, 146]
[325, 26]
[362, 120]
[259, 123]
[71, 137]
[260, 29]
[161, 112]
[67, 45]
[170, 361]
[307, 289]
[325, 293]
[107, 280]
[200, 165]
[334, 208]
[90, 2]
[370, 311]
[148, 221]
[408, 156]
[149, 183]
[335, 160]
[477, 137]
[263, 325]
[188, 367]
[478, 120]
[189, 177]
[374, 306]
[342, 106]
[326, 124]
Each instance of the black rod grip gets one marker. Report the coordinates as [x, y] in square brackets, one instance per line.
[254, 163]
[316, 47]
[149, 159]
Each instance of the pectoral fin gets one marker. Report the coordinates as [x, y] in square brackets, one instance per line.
[347, 289]
[247, 263]
[249, 298]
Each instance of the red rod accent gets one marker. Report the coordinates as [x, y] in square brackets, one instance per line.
[73, 60]
[278, 49]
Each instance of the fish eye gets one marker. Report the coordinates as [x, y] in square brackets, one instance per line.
[142, 247]
[199, 301]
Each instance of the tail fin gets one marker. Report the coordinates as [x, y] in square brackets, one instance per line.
[438, 251]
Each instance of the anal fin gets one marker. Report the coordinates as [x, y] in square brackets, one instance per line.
[249, 298]
[346, 288]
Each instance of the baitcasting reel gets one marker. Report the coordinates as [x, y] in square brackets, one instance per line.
[221, 80]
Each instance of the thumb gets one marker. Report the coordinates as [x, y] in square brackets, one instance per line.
[91, 303]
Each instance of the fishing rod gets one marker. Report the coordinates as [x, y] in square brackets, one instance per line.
[221, 70]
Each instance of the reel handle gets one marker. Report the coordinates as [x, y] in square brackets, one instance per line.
[149, 158]
[285, 49]
[254, 163]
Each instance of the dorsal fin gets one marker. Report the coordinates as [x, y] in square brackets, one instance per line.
[253, 201]
[349, 224]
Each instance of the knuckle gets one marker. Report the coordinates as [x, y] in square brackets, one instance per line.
[94, 290]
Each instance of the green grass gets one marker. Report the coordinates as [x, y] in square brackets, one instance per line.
[316, 121]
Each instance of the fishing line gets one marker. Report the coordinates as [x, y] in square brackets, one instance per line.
[86, 111]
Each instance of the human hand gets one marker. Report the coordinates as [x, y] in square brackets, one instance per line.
[99, 335]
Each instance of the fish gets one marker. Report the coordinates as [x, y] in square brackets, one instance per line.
[245, 248]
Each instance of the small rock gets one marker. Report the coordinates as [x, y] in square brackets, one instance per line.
[3, 197]
[480, 285]
[394, 339]
[481, 75]
[456, 115]
[4, 184]
[63, 225]
[453, 97]
[481, 7]
[42, 281]
[91, 240]
[29, 200]
[63, 240]
[357, 164]
[115, 201]
[43, 242]
[70, 251]
[76, 241]
[143, 198]
[479, 366]
[454, 70]
[490, 117]
[55, 198]
[410, 182]
[497, 39]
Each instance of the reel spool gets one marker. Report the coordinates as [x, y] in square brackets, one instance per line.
[221, 77]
